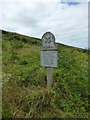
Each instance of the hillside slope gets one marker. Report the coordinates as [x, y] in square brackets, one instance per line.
[24, 81]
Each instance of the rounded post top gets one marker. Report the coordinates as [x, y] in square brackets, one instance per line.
[48, 41]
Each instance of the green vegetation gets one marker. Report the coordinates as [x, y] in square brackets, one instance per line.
[24, 81]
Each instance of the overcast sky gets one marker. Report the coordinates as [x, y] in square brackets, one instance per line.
[67, 20]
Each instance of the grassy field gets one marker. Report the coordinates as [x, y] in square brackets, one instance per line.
[25, 94]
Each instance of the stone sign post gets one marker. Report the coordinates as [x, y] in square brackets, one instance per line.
[48, 55]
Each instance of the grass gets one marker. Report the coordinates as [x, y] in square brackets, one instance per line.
[25, 94]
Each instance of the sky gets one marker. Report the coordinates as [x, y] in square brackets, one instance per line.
[66, 19]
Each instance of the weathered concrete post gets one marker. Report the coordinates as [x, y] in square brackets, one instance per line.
[48, 55]
[49, 76]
